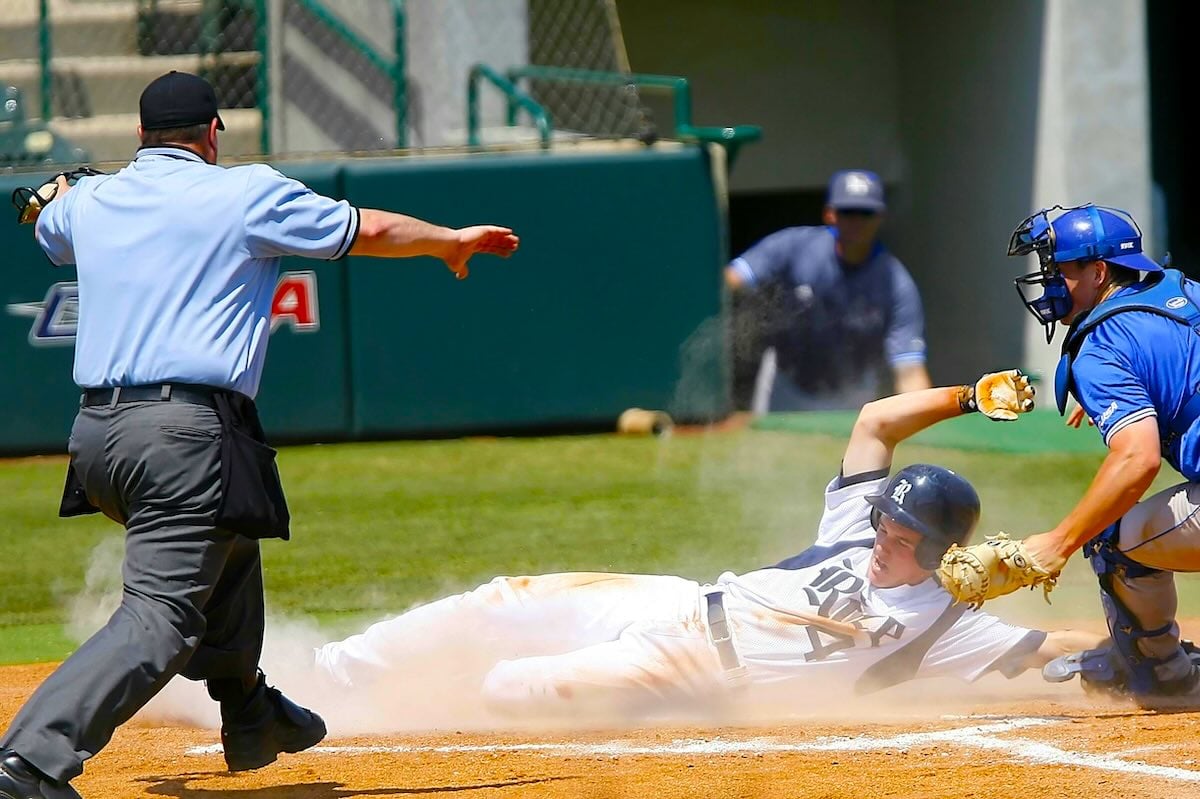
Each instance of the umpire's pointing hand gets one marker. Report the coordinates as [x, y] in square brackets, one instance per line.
[477, 239]
[385, 234]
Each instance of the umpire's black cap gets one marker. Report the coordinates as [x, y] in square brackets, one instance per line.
[177, 100]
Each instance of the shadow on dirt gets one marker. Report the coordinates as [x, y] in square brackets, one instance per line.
[183, 786]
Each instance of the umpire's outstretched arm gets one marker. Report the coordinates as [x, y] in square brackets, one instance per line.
[385, 234]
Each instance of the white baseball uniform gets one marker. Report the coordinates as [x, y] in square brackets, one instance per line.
[561, 643]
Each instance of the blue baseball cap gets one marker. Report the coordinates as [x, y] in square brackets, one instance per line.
[856, 189]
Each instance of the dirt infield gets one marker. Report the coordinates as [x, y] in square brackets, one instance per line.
[1000, 739]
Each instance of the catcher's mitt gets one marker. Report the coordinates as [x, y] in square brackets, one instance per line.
[994, 568]
[29, 201]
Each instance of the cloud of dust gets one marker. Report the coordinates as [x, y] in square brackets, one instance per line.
[425, 701]
[88, 610]
[432, 697]
[776, 520]
[437, 699]
[287, 660]
[439, 690]
[697, 395]
[916, 700]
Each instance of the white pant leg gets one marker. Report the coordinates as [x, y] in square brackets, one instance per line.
[652, 668]
[510, 617]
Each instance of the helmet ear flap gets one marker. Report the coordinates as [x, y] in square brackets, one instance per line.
[929, 553]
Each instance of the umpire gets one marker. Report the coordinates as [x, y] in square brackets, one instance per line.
[177, 262]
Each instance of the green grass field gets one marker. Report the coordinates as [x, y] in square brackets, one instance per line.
[378, 527]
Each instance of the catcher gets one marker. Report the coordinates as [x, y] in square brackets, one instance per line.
[858, 610]
[1131, 359]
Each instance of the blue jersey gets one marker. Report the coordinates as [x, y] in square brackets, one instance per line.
[839, 326]
[1136, 365]
[177, 262]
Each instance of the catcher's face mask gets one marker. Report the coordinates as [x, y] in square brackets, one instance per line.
[1036, 235]
[1081, 233]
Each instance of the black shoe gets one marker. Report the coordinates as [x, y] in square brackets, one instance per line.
[269, 723]
[20, 780]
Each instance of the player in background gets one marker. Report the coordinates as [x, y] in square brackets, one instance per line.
[848, 319]
[1131, 359]
[858, 610]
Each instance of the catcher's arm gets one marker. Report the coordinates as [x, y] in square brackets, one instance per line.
[1000, 565]
[1076, 417]
[1132, 463]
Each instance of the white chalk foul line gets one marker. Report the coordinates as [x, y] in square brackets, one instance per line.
[979, 736]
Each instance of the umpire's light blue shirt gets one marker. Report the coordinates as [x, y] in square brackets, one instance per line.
[177, 262]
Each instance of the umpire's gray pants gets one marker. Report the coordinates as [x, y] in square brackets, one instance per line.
[193, 594]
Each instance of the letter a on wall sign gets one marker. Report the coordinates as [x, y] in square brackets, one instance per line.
[295, 302]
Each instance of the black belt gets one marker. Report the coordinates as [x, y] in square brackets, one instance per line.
[157, 392]
[718, 631]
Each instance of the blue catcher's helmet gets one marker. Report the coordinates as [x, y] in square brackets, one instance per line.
[936, 502]
[1085, 232]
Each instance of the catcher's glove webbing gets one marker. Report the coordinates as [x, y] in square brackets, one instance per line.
[994, 568]
[29, 201]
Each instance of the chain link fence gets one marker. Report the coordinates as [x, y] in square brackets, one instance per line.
[306, 76]
[587, 36]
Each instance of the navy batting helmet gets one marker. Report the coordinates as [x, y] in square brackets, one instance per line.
[936, 502]
[1085, 232]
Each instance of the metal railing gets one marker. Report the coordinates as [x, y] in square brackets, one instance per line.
[263, 75]
[394, 68]
[208, 43]
[515, 99]
[731, 138]
[44, 50]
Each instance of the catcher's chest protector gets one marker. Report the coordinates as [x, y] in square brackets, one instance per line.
[1163, 295]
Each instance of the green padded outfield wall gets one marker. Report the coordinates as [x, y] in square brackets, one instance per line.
[612, 302]
[38, 399]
